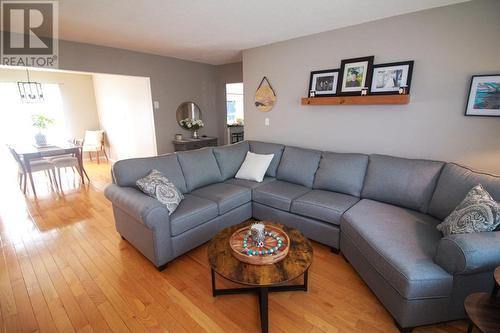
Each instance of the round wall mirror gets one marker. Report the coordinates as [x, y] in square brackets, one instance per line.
[188, 110]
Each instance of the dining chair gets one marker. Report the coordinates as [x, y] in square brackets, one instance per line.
[36, 166]
[93, 142]
[67, 161]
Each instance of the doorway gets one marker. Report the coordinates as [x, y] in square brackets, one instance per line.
[234, 112]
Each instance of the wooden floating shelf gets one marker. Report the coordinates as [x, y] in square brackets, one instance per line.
[357, 100]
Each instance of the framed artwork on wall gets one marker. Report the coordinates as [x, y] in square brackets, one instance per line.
[388, 78]
[355, 74]
[323, 83]
[484, 96]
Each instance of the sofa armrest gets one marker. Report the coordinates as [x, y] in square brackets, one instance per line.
[140, 206]
[469, 253]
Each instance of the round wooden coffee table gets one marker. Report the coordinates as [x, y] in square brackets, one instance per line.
[263, 279]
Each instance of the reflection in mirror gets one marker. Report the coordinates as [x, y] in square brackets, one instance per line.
[189, 117]
[188, 110]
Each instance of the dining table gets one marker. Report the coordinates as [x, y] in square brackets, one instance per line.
[29, 152]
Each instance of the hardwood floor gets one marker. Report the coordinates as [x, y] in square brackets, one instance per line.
[64, 268]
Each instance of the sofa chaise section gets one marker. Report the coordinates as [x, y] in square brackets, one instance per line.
[393, 248]
[390, 238]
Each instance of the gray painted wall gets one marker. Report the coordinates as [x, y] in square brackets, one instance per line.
[229, 73]
[173, 81]
[448, 44]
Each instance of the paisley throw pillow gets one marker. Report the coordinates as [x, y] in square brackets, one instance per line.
[158, 186]
[478, 212]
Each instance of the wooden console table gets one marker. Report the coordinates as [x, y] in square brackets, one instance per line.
[190, 144]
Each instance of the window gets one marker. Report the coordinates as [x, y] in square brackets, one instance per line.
[16, 126]
[234, 103]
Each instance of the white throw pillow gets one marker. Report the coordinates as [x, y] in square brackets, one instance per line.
[254, 167]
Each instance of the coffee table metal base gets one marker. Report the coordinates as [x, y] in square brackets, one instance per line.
[263, 293]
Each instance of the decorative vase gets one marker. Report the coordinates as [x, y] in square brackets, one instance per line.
[195, 134]
[258, 234]
[40, 139]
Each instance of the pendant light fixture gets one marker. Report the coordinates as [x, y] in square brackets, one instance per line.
[30, 92]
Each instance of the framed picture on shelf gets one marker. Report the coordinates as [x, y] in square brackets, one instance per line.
[323, 83]
[484, 96]
[388, 78]
[355, 74]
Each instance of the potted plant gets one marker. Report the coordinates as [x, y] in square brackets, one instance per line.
[41, 122]
[192, 125]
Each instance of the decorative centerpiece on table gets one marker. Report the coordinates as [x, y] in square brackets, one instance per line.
[260, 244]
[41, 122]
[192, 125]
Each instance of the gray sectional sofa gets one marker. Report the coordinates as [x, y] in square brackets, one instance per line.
[380, 211]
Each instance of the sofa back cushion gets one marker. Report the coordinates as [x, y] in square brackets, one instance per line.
[453, 185]
[298, 166]
[403, 182]
[127, 172]
[266, 148]
[199, 167]
[342, 173]
[229, 158]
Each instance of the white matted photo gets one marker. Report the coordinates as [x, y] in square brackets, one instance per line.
[388, 78]
[324, 83]
[356, 74]
[484, 96]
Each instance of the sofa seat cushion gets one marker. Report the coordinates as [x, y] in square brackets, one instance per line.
[226, 196]
[278, 194]
[248, 183]
[400, 244]
[191, 212]
[323, 205]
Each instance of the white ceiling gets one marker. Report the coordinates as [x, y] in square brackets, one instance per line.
[216, 31]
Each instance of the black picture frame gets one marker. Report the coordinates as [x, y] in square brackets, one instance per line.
[355, 90]
[409, 75]
[335, 83]
[469, 110]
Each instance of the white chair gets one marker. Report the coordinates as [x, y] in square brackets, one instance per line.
[36, 165]
[94, 143]
[67, 161]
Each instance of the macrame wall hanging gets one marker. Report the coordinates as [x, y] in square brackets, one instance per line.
[265, 97]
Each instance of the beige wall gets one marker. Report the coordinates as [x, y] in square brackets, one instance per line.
[77, 93]
[126, 115]
[173, 81]
[229, 73]
[448, 44]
